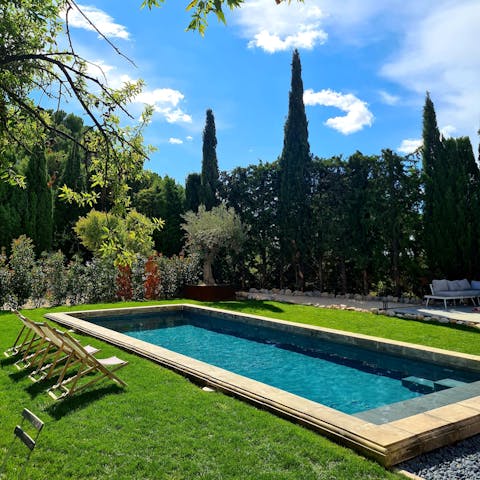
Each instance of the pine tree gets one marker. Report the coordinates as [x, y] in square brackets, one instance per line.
[39, 214]
[209, 164]
[294, 193]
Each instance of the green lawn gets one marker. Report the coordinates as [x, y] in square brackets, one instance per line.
[164, 427]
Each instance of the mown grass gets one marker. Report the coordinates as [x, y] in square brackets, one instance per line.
[164, 427]
[449, 337]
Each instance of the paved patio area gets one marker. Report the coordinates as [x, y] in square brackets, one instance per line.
[462, 314]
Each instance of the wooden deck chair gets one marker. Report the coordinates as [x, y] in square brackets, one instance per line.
[26, 438]
[92, 368]
[63, 358]
[35, 355]
[25, 341]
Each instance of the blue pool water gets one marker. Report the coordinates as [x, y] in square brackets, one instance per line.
[347, 378]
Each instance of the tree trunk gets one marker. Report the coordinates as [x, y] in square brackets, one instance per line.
[207, 269]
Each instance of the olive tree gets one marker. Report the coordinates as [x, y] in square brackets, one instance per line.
[210, 232]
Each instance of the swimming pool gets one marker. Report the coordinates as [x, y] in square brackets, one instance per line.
[390, 432]
[345, 377]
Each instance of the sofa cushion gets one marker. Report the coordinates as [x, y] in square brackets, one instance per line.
[440, 285]
[464, 284]
[457, 293]
[476, 284]
[453, 285]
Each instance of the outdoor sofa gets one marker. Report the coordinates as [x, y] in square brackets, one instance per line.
[454, 290]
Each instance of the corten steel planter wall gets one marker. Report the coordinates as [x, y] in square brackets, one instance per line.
[209, 293]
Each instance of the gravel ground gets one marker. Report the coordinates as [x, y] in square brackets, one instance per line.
[455, 462]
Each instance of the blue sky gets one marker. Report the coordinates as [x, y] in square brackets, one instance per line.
[366, 65]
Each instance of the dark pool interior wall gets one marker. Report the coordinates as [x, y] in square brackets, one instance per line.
[362, 358]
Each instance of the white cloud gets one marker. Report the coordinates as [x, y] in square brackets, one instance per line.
[165, 101]
[275, 28]
[102, 20]
[175, 141]
[99, 69]
[448, 130]
[388, 98]
[189, 138]
[272, 43]
[409, 145]
[358, 115]
[161, 96]
[440, 54]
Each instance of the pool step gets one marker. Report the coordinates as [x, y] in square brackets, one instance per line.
[423, 385]
[447, 383]
[417, 384]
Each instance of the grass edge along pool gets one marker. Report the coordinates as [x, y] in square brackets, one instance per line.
[388, 443]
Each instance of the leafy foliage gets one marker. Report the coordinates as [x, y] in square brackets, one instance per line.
[193, 192]
[37, 54]
[209, 232]
[162, 198]
[22, 261]
[253, 193]
[115, 237]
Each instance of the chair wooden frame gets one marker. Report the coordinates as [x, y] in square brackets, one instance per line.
[26, 339]
[63, 358]
[29, 441]
[35, 355]
[99, 369]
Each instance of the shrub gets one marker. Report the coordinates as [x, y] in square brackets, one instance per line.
[56, 277]
[124, 282]
[177, 271]
[39, 284]
[138, 277]
[152, 285]
[100, 281]
[5, 275]
[22, 261]
[77, 281]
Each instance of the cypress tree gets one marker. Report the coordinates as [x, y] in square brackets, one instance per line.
[434, 177]
[461, 215]
[193, 186]
[39, 214]
[12, 208]
[169, 240]
[67, 214]
[294, 192]
[209, 164]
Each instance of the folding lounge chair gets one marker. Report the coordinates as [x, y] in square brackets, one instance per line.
[25, 437]
[96, 369]
[35, 355]
[26, 339]
[63, 358]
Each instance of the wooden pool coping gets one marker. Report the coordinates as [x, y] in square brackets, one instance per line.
[389, 443]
